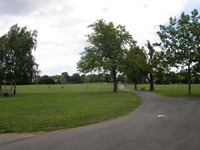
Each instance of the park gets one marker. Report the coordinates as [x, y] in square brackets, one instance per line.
[40, 108]
[159, 121]
[123, 94]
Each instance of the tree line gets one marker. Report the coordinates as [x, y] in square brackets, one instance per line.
[167, 78]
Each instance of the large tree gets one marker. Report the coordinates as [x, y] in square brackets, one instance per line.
[18, 61]
[180, 39]
[106, 51]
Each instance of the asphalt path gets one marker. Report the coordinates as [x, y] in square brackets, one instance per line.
[159, 123]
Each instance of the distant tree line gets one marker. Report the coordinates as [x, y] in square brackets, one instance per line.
[76, 78]
[167, 78]
[64, 78]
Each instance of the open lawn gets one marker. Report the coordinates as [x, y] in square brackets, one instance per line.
[46, 108]
[172, 90]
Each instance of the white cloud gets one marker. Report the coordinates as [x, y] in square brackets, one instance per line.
[62, 24]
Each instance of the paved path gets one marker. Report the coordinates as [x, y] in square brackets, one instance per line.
[159, 123]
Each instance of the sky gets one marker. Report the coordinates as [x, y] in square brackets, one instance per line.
[62, 25]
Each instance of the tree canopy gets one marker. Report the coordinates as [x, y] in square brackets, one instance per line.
[135, 65]
[180, 40]
[107, 46]
[17, 61]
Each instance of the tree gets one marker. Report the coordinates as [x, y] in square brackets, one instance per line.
[62, 79]
[105, 53]
[151, 65]
[180, 39]
[1, 64]
[47, 80]
[18, 61]
[135, 67]
[76, 78]
[157, 64]
[66, 75]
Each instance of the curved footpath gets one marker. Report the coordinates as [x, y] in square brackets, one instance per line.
[159, 123]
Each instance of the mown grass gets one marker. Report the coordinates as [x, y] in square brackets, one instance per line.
[46, 108]
[173, 90]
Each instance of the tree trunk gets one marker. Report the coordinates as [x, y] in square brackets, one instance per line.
[1, 93]
[135, 86]
[189, 80]
[114, 80]
[151, 72]
[14, 88]
[151, 82]
[11, 87]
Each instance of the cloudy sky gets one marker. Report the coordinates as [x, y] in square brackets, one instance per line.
[62, 24]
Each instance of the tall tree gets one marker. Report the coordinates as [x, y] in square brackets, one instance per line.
[105, 53]
[2, 64]
[180, 39]
[151, 64]
[19, 63]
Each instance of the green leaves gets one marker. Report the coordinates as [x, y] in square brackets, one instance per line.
[180, 39]
[18, 61]
[135, 64]
[108, 45]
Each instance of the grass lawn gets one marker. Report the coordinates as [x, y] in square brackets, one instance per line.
[173, 90]
[40, 108]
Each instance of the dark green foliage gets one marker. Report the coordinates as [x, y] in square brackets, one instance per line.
[135, 65]
[76, 78]
[46, 80]
[17, 61]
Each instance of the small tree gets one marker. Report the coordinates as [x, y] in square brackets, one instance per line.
[62, 79]
[105, 53]
[157, 64]
[66, 75]
[180, 40]
[135, 65]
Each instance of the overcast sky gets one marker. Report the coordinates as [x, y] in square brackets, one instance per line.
[62, 24]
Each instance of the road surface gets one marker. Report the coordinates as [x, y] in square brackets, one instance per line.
[159, 123]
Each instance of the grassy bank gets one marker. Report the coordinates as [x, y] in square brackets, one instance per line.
[47, 108]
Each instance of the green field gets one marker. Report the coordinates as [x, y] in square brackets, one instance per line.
[172, 90]
[46, 108]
